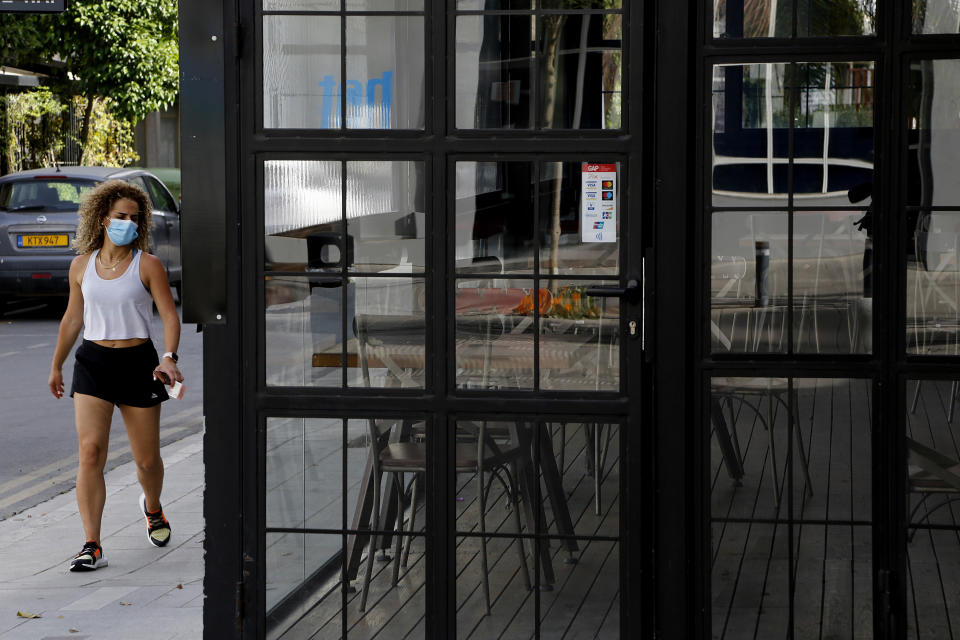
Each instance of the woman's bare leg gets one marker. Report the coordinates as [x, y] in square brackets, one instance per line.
[143, 430]
[93, 416]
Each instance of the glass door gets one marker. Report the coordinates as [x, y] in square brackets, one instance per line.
[446, 274]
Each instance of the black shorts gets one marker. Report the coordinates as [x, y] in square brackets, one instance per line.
[121, 376]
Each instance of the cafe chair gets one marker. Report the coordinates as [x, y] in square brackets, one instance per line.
[930, 473]
[484, 456]
[751, 393]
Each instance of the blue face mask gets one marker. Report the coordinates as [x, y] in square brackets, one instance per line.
[122, 232]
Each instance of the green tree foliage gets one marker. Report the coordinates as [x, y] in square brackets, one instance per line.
[32, 122]
[123, 51]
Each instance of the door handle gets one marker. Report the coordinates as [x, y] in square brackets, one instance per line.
[630, 292]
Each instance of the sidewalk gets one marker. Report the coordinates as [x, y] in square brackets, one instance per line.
[145, 593]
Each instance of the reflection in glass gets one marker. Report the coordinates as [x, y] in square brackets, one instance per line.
[304, 334]
[748, 276]
[579, 338]
[583, 458]
[933, 485]
[494, 68]
[831, 283]
[934, 133]
[933, 285]
[302, 215]
[836, 17]
[750, 135]
[387, 346]
[752, 19]
[494, 5]
[832, 132]
[384, 5]
[303, 583]
[776, 481]
[301, 5]
[495, 333]
[385, 66]
[301, 72]
[936, 16]
[304, 470]
[566, 248]
[512, 606]
[494, 217]
[581, 4]
[572, 613]
[580, 71]
[385, 219]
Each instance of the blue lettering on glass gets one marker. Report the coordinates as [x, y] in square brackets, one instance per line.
[367, 109]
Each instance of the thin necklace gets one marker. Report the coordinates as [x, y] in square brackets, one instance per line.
[115, 265]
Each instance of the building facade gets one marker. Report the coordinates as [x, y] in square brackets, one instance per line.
[576, 318]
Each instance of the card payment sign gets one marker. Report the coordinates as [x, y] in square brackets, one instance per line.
[598, 224]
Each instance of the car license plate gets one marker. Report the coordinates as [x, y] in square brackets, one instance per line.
[49, 240]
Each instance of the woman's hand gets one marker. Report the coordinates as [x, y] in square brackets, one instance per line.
[167, 372]
[56, 382]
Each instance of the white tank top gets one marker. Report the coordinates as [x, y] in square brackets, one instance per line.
[115, 309]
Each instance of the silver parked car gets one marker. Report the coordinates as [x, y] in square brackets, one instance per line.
[38, 220]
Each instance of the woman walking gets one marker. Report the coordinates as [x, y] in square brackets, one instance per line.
[114, 284]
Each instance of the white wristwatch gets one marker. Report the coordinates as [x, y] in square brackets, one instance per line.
[172, 355]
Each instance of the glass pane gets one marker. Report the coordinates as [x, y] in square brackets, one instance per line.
[512, 602]
[302, 215]
[304, 331]
[301, 72]
[494, 68]
[385, 64]
[751, 588]
[579, 466]
[836, 17]
[494, 217]
[933, 285]
[936, 16]
[304, 589]
[388, 333]
[495, 333]
[832, 266]
[585, 602]
[810, 474]
[826, 456]
[580, 71]
[505, 474]
[385, 220]
[304, 465]
[581, 4]
[579, 338]
[934, 133]
[384, 5]
[751, 119]
[752, 19]
[748, 291]
[301, 5]
[933, 485]
[833, 132]
[494, 5]
[579, 219]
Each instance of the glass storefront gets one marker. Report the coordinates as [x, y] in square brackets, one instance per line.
[586, 318]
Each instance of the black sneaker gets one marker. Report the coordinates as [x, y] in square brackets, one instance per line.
[90, 557]
[158, 529]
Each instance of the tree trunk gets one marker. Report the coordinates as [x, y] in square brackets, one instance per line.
[553, 27]
[85, 129]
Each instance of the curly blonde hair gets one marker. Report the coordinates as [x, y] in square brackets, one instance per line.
[96, 207]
